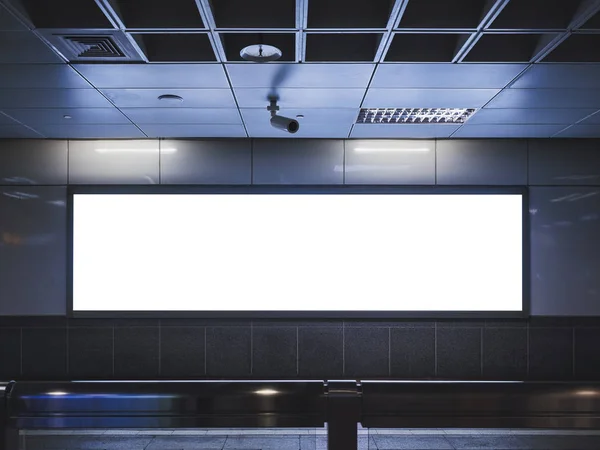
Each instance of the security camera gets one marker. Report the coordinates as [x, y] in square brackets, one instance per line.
[285, 123]
[281, 122]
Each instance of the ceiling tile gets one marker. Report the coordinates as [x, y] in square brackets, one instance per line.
[469, 76]
[219, 130]
[301, 98]
[507, 131]
[192, 98]
[183, 115]
[8, 22]
[581, 131]
[529, 116]
[52, 98]
[324, 123]
[300, 75]
[17, 131]
[89, 131]
[24, 47]
[584, 76]
[40, 76]
[416, 131]
[154, 75]
[547, 98]
[428, 98]
[55, 116]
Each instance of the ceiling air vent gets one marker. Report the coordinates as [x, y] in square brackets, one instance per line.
[414, 115]
[109, 46]
[94, 46]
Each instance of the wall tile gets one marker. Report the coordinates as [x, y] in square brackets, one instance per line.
[206, 162]
[114, 162]
[274, 352]
[29, 162]
[505, 353]
[228, 351]
[412, 352]
[550, 353]
[182, 352]
[91, 352]
[44, 353]
[565, 251]
[303, 161]
[136, 352]
[481, 162]
[389, 162]
[10, 353]
[366, 352]
[564, 162]
[587, 357]
[458, 353]
[320, 352]
[33, 250]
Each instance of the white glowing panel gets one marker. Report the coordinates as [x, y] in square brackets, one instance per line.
[265, 252]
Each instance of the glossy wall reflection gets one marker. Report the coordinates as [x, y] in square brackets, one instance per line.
[33, 250]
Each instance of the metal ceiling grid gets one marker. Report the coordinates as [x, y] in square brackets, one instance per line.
[466, 53]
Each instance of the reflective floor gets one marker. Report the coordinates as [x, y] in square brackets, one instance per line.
[308, 439]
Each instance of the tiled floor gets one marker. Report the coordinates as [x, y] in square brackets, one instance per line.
[308, 439]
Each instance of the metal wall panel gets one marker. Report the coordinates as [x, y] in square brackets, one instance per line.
[564, 162]
[114, 162]
[206, 162]
[306, 161]
[33, 250]
[390, 162]
[35, 161]
[565, 251]
[482, 162]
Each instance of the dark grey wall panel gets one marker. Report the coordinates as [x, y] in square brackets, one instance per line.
[304, 161]
[390, 162]
[565, 251]
[33, 250]
[564, 162]
[35, 161]
[114, 162]
[482, 162]
[206, 162]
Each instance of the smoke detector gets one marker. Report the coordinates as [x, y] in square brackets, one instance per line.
[260, 53]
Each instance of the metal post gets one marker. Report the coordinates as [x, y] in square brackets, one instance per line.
[343, 415]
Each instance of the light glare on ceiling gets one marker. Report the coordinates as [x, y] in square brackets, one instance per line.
[136, 150]
[391, 150]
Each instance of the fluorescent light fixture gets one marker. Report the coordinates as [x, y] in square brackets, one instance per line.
[266, 392]
[57, 393]
[391, 150]
[136, 150]
[414, 115]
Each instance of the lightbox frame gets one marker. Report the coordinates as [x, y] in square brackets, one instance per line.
[311, 190]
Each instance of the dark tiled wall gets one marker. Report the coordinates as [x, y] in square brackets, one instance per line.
[536, 349]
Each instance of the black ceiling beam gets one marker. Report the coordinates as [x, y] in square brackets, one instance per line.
[587, 9]
[492, 9]
[393, 22]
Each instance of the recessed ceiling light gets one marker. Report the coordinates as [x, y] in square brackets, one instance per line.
[66, 116]
[414, 115]
[260, 53]
[170, 98]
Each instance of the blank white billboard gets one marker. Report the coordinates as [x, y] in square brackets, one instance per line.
[298, 252]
